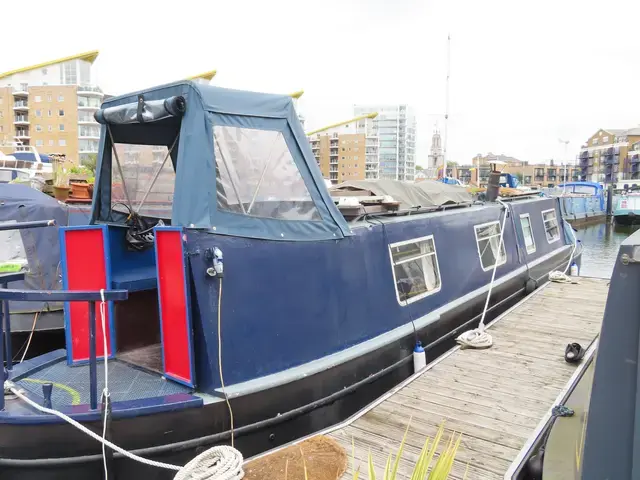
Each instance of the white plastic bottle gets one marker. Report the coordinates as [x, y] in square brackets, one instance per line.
[419, 357]
[574, 270]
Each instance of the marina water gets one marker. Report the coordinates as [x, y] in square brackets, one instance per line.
[601, 243]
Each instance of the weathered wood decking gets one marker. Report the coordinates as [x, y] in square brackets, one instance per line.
[497, 398]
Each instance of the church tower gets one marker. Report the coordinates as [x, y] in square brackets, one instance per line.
[436, 156]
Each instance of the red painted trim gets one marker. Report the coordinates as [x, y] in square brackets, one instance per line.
[86, 269]
[174, 320]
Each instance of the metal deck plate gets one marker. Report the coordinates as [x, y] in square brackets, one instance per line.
[126, 382]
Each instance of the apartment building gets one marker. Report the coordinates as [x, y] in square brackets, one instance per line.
[530, 174]
[347, 150]
[609, 156]
[50, 106]
[395, 127]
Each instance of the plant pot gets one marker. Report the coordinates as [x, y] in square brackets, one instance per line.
[80, 190]
[61, 193]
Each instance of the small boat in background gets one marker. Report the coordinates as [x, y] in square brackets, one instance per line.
[580, 202]
[627, 209]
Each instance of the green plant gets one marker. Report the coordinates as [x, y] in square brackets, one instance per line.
[421, 471]
[90, 162]
[80, 170]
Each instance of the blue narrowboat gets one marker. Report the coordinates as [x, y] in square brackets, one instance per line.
[249, 282]
[581, 202]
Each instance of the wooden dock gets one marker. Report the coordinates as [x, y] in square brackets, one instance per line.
[499, 398]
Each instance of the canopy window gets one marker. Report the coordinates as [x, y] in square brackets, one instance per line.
[149, 180]
[256, 175]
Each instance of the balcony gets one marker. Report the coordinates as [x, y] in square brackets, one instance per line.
[21, 105]
[611, 160]
[22, 134]
[21, 91]
[87, 119]
[635, 158]
[88, 103]
[90, 90]
[21, 120]
[539, 178]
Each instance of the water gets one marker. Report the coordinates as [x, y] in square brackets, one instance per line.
[600, 247]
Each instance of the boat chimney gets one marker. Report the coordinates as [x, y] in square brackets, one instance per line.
[493, 185]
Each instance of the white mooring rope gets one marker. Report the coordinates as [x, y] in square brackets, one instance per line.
[478, 337]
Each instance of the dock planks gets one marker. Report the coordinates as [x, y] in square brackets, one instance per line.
[495, 397]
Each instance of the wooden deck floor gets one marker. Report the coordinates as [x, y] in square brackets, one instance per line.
[497, 398]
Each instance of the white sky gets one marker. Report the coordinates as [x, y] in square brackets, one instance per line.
[523, 74]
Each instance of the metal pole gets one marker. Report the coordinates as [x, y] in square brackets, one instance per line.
[93, 367]
[7, 329]
[22, 225]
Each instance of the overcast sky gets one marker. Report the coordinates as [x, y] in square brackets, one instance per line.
[523, 74]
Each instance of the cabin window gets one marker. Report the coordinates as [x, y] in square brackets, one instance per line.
[489, 248]
[140, 165]
[256, 175]
[527, 232]
[551, 228]
[415, 269]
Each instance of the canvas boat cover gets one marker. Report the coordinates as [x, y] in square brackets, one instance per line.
[37, 248]
[425, 194]
[240, 164]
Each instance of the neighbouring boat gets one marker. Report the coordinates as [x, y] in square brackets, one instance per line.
[580, 202]
[627, 208]
[304, 304]
[36, 252]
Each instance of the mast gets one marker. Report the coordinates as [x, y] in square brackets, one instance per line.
[446, 112]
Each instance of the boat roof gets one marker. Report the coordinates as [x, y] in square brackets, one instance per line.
[424, 194]
[586, 184]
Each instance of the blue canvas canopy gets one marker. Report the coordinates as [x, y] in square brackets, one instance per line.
[240, 164]
[39, 246]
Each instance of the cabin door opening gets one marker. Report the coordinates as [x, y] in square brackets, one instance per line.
[138, 330]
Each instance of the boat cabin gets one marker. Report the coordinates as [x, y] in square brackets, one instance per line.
[185, 155]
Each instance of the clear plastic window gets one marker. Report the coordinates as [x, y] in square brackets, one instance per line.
[527, 232]
[551, 228]
[256, 175]
[490, 248]
[415, 269]
[141, 164]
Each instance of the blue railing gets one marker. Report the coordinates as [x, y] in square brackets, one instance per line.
[90, 296]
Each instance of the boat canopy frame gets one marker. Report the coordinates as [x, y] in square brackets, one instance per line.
[204, 164]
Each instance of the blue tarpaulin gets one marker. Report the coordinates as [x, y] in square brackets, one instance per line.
[21, 203]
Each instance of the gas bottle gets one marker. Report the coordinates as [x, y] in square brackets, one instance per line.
[574, 270]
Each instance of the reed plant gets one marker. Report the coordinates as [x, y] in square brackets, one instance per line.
[421, 470]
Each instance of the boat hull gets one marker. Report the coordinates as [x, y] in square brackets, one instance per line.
[628, 218]
[286, 412]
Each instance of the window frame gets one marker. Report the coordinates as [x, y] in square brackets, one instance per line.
[533, 237]
[475, 229]
[404, 303]
[544, 224]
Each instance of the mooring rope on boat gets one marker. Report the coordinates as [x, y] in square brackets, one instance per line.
[478, 337]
